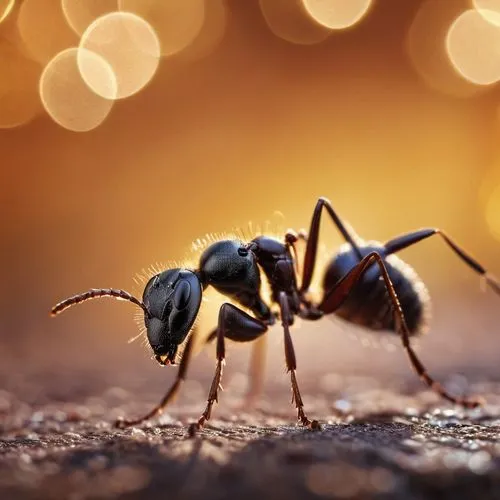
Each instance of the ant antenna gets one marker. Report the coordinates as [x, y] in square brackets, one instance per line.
[96, 293]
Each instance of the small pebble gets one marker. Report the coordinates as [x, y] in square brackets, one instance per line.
[136, 432]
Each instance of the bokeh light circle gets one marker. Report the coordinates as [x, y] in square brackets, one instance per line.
[80, 13]
[426, 47]
[67, 98]
[44, 29]
[489, 9]
[473, 46]
[289, 20]
[337, 14]
[176, 23]
[129, 44]
[6, 7]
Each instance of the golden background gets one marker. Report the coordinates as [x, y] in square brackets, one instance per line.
[258, 125]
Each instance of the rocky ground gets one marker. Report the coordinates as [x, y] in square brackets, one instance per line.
[380, 443]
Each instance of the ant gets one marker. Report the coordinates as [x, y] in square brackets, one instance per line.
[365, 284]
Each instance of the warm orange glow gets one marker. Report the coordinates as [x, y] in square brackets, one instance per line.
[67, 98]
[18, 97]
[130, 46]
[259, 125]
[489, 198]
[6, 8]
[212, 31]
[337, 14]
[493, 212]
[472, 44]
[10, 34]
[176, 23]
[426, 46]
[288, 19]
[80, 13]
[489, 9]
[43, 29]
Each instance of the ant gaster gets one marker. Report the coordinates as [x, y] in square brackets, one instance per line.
[365, 283]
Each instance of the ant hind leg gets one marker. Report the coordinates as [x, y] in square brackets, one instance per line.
[334, 298]
[406, 240]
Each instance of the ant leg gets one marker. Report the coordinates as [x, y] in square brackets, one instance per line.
[236, 325]
[334, 298]
[409, 239]
[291, 237]
[172, 392]
[291, 364]
[256, 369]
[313, 236]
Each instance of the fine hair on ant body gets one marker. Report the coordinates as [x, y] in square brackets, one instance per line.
[364, 283]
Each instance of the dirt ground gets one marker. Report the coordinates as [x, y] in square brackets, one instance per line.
[383, 443]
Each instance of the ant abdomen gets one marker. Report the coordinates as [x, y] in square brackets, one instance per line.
[368, 304]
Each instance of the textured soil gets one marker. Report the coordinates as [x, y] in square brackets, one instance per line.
[380, 444]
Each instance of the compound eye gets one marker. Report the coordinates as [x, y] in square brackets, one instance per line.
[182, 294]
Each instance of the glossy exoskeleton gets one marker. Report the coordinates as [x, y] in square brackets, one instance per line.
[365, 283]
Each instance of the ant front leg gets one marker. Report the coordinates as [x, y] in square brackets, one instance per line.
[313, 236]
[236, 325]
[336, 296]
[256, 370]
[291, 363]
[172, 392]
[406, 240]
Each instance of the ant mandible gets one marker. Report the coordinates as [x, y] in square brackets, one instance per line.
[365, 283]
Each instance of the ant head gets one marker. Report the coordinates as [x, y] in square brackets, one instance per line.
[172, 300]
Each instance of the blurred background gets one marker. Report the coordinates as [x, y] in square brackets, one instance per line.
[132, 128]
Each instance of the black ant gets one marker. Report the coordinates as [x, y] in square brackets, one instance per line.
[365, 283]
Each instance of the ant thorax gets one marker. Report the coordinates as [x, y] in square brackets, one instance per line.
[231, 267]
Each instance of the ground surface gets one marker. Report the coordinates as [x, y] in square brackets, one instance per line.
[380, 444]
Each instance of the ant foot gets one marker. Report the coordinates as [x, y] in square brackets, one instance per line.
[315, 425]
[121, 423]
[193, 430]
[196, 426]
